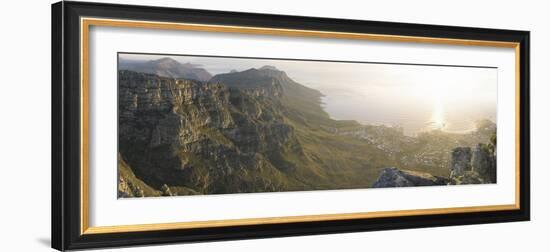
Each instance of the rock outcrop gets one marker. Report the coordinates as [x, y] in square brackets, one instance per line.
[128, 189]
[484, 162]
[393, 177]
[460, 161]
[477, 167]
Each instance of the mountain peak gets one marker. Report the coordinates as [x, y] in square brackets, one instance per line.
[191, 65]
[165, 63]
[165, 60]
[268, 67]
[168, 67]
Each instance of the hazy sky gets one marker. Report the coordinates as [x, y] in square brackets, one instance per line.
[414, 97]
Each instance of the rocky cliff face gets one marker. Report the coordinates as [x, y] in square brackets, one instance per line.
[297, 100]
[250, 131]
[204, 136]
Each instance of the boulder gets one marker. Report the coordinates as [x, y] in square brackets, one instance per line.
[128, 189]
[393, 177]
[166, 191]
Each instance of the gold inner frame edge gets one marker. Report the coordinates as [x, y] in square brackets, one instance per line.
[86, 23]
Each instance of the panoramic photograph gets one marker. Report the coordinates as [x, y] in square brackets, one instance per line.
[200, 125]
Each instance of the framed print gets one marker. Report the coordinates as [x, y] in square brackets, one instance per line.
[180, 125]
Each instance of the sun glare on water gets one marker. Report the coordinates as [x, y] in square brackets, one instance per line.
[437, 121]
[438, 116]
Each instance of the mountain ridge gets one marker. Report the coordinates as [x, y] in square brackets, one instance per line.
[166, 67]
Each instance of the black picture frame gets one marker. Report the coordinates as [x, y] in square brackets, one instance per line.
[66, 152]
